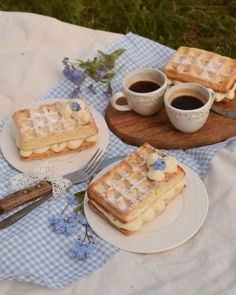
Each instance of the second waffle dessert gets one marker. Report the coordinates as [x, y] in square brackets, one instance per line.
[137, 189]
[204, 67]
[54, 129]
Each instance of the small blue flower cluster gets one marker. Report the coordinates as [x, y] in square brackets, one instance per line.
[82, 220]
[60, 225]
[76, 76]
[80, 251]
[159, 165]
[68, 225]
[75, 106]
[72, 201]
[99, 69]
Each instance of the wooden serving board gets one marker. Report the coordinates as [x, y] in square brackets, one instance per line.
[157, 130]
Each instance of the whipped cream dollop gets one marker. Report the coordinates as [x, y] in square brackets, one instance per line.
[65, 111]
[158, 166]
[75, 109]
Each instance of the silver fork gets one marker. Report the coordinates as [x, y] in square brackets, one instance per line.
[78, 176]
[88, 169]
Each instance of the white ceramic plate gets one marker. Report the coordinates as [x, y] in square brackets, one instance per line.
[62, 164]
[181, 220]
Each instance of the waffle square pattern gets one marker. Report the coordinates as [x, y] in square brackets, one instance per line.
[54, 128]
[137, 189]
[204, 67]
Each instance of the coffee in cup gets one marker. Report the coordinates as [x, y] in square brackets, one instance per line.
[143, 90]
[188, 106]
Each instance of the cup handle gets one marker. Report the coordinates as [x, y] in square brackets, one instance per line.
[212, 94]
[122, 108]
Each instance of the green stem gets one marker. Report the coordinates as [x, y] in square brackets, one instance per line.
[86, 234]
[63, 211]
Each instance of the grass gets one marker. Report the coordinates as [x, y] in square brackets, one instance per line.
[204, 24]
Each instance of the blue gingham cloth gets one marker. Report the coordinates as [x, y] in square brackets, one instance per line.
[29, 250]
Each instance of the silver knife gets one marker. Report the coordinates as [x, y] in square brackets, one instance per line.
[223, 112]
[26, 210]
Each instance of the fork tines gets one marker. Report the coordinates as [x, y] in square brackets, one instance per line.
[91, 162]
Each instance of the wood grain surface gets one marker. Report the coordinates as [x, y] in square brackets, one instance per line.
[157, 130]
[39, 190]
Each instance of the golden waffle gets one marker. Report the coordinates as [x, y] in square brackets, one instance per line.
[127, 198]
[47, 129]
[204, 67]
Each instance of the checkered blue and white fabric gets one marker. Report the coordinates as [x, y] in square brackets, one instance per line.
[29, 250]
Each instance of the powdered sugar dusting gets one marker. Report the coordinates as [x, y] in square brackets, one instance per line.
[44, 120]
[205, 65]
[129, 184]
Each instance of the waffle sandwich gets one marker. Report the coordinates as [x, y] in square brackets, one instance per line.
[54, 129]
[204, 67]
[137, 189]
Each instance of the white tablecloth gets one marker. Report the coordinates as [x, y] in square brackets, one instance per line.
[31, 51]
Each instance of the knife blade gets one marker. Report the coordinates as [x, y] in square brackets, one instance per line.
[223, 112]
[22, 212]
[13, 218]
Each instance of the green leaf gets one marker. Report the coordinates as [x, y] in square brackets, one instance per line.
[102, 62]
[79, 209]
[109, 76]
[73, 66]
[79, 196]
[109, 88]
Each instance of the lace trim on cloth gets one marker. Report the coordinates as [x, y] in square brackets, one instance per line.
[42, 172]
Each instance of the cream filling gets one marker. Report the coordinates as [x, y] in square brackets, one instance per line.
[58, 147]
[25, 153]
[92, 138]
[74, 144]
[148, 214]
[230, 94]
[41, 150]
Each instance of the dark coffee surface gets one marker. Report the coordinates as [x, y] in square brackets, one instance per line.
[144, 86]
[186, 102]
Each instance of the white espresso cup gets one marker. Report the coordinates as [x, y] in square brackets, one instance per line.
[143, 89]
[185, 113]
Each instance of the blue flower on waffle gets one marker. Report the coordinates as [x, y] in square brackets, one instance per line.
[159, 165]
[75, 106]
